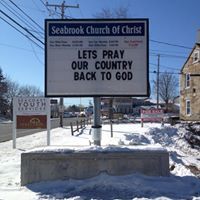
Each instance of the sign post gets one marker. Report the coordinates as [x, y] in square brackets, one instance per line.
[14, 131]
[31, 113]
[96, 128]
[94, 58]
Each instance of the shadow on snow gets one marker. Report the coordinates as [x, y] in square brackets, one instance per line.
[120, 187]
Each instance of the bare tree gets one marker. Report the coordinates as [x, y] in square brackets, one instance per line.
[120, 13]
[14, 89]
[30, 90]
[3, 91]
[168, 87]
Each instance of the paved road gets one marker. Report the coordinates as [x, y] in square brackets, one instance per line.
[6, 128]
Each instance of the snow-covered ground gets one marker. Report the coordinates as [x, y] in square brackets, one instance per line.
[183, 182]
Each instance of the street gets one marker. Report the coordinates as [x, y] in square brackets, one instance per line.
[6, 128]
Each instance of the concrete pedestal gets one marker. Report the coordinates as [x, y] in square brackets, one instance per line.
[48, 166]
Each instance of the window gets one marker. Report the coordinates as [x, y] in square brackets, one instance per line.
[195, 57]
[188, 108]
[187, 80]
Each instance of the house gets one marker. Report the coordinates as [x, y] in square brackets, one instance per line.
[190, 86]
[123, 105]
[139, 102]
[119, 105]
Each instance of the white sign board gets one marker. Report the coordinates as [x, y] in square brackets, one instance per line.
[96, 57]
[31, 105]
[24, 111]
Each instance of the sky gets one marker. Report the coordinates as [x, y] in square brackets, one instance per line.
[174, 22]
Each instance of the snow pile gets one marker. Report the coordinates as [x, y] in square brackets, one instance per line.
[183, 182]
[110, 148]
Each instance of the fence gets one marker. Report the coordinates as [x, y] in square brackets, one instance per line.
[77, 125]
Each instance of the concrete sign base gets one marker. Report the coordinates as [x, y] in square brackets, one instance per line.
[49, 166]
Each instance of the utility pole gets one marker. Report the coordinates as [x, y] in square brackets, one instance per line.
[62, 8]
[158, 80]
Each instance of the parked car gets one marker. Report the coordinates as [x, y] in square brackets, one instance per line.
[67, 115]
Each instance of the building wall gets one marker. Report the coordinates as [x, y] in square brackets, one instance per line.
[120, 105]
[123, 105]
[192, 92]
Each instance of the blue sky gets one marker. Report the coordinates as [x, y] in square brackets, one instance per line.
[170, 21]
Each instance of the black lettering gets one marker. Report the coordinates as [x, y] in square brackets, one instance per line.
[115, 54]
[80, 65]
[106, 75]
[124, 76]
[76, 76]
[81, 76]
[87, 54]
[91, 76]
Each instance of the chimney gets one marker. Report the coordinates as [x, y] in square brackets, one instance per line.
[198, 36]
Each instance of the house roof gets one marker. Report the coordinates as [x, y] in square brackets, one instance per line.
[195, 46]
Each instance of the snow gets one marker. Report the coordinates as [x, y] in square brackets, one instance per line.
[181, 184]
[109, 148]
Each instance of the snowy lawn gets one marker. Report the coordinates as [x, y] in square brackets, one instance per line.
[183, 182]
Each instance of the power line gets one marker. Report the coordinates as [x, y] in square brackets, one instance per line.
[62, 7]
[45, 6]
[36, 6]
[161, 72]
[170, 44]
[42, 3]
[36, 55]
[169, 55]
[21, 18]
[164, 51]
[26, 15]
[30, 8]
[15, 47]
[21, 27]
[51, 13]
[21, 32]
[173, 68]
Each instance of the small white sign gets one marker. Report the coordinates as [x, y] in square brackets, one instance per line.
[31, 105]
[152, 115]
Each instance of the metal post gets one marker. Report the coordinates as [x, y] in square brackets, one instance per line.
[158, 74]
[72, 131]
[14, 131]
[48, 122]
[77, 125]
[96, 128]
[111, 115]
[61, 111]
[111, 128]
